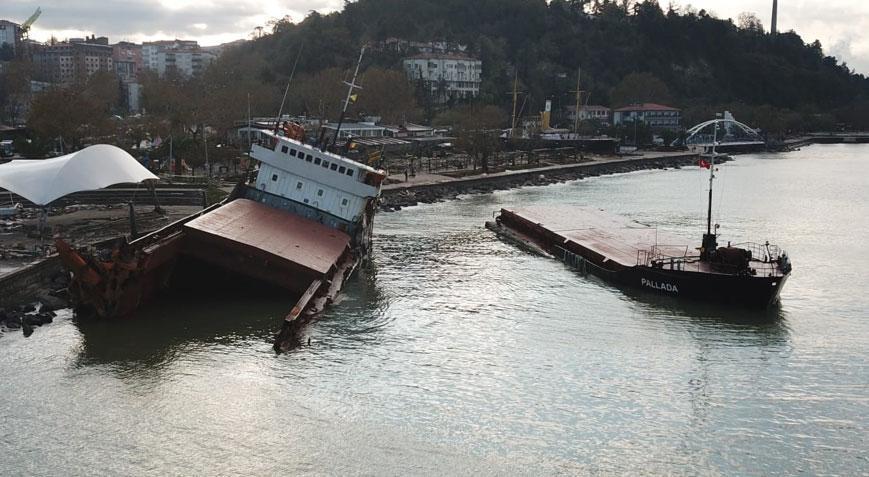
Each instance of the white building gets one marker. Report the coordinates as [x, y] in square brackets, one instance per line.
[597, 113]
[448, 75]
[184, 57]
[656, 116]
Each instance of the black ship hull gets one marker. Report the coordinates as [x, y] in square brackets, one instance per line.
[749, 291]
[683, 278]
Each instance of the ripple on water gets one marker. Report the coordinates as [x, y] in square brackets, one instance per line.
[452, 352]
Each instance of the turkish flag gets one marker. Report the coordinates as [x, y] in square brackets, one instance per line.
[704, 164]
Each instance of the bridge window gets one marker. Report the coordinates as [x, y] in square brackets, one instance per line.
[309, 158]
[326, 164]
[334, 167]
[274, 177]
[316, 160]
[293, 152]
[341, 169]
[344, 202]
[284, 149]
[350, 172]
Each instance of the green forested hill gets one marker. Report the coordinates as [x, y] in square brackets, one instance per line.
[705, 62]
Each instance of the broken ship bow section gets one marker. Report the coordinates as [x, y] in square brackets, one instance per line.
[639, 256]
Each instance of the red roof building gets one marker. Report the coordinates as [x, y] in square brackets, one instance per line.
[656, 116]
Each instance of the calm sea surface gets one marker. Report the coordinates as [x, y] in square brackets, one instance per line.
[455, 353]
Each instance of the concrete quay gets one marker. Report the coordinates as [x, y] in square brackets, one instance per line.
[429, 188]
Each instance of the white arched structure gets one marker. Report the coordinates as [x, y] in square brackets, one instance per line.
[95, 167]
[729, 132]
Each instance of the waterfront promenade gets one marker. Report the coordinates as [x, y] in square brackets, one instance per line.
[427, 188]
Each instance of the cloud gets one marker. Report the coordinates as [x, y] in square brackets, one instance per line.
[138, 20]
[841, 25]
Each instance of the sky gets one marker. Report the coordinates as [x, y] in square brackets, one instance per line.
[842, 26]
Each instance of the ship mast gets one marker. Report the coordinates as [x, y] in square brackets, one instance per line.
[286, 91]
[351, 86]
[709, 239]
[711, 178]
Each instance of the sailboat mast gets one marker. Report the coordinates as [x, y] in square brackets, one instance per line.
[515, 100]
[711, 177]
[286, 91]
[351, 86]
[578, 101]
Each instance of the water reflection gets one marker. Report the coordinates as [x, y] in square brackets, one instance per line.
[173, 325]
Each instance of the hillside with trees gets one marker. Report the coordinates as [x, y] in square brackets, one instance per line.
[629, 52]
[693, 59]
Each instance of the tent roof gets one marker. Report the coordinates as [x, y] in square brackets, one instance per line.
[95, 167]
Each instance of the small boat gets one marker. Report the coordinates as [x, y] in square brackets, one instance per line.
[637, 255]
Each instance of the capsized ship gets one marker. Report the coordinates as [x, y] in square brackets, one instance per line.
[304, 225]
[637, 255]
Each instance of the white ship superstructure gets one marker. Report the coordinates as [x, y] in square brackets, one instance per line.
[329, 188]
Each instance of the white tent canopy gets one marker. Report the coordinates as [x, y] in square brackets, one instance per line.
[94, 167]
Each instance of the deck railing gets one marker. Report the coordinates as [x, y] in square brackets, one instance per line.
[655, 256]
[762, 252]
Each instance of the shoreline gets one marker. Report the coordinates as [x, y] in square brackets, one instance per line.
[395, 197]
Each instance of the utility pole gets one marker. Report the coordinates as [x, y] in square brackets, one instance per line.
[207, 164]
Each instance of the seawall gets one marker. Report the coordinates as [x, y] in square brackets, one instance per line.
[396, 196]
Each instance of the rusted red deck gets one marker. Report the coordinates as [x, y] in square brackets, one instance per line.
[245, 226]
[612, 237]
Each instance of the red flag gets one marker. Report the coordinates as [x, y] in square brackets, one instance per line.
[704, 164]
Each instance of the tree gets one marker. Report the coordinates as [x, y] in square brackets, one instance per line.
[637, 88]
[14, 90]
[749, 21]
[77, 112]
[388, 94]
[318, 94]
[478, 132]
[170, 101]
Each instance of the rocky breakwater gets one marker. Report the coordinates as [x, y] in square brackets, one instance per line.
[30, 316]
[31, 296]
[396, 197]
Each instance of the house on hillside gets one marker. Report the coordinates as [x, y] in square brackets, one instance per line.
[184, 57]
[656, 116]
